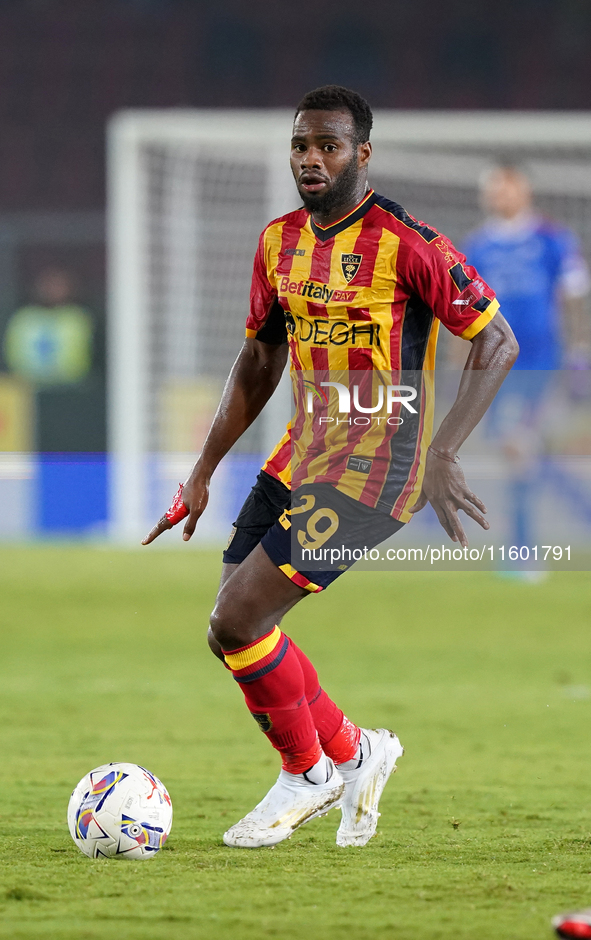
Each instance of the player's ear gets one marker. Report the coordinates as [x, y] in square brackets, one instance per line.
[364, 153]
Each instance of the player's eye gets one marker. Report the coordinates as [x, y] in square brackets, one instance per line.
[330, 148]
[299, 148]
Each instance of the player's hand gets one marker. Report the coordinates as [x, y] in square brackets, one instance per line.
[190, 501]
[446, 489]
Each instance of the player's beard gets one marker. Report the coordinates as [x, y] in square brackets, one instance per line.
[339, 194]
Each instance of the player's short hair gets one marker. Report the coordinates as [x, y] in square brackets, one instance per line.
[338, 98]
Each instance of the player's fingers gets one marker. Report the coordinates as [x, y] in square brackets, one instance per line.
[420, 503]
[161, 526]
[474, 514]
[473, 498]
[470, 504]
[458, 529]
[444, 521]
[190, 524]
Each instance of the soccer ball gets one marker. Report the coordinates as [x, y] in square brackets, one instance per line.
[120, 811]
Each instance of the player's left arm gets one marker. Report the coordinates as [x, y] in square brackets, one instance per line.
[467, 306]
[493, 353]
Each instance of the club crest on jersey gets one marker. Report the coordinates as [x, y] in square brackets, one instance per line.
[350, 265]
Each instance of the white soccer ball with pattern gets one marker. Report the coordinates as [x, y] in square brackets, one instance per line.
[120, 811]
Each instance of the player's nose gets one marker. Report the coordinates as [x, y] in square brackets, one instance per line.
[311, 159]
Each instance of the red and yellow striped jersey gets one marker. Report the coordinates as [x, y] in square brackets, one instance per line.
[365, 294]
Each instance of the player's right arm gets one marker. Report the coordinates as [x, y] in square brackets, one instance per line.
[252, 380]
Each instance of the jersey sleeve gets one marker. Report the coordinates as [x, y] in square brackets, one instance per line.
[274, 332]
[262, 293]
[278, 463]
[574, 278]
[453, 289]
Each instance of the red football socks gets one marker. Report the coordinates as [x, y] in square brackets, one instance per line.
[283, 694]
[272, 681]
[338, 736]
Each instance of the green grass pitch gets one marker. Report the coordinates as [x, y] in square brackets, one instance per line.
[485, 829]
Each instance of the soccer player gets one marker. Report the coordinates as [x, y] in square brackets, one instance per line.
[537, 271]
[355, 284]
[541, 279]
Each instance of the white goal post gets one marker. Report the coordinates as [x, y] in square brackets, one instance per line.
[189, 192]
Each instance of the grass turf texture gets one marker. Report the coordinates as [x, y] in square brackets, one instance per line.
[485, 828]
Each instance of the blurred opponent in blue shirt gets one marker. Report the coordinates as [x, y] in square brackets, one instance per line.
[535, 267]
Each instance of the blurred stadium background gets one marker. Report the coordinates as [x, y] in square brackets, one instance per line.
[70, 66]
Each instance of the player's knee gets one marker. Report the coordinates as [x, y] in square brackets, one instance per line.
[218, 628]
[228, 627]
[214, 646]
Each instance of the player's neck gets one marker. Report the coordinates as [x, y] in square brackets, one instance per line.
[342, 209]
[524, 219]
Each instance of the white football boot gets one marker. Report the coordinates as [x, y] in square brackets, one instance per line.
[290, 803]
[364, 786]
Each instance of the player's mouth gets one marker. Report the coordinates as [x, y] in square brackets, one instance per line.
[312, 183]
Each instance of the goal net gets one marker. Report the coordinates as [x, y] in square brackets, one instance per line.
[189, 193]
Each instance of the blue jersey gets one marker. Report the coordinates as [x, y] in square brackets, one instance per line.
[528, 265]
